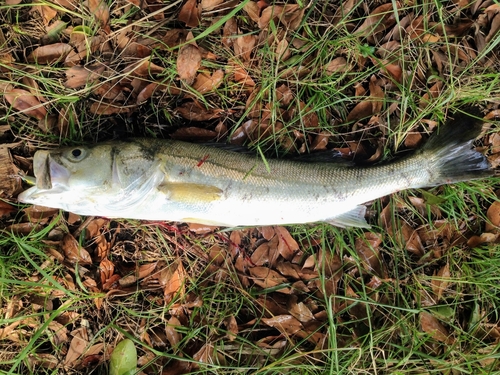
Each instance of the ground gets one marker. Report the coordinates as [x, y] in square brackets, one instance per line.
[417, 293]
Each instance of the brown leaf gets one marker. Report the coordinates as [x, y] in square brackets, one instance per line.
[379, 19]
[74, 252]
[243, 46]
[267, 278]
[376, 95]
[434, 328]
[253, 10]
[6, 209]
[232, 327]
[260, 256]
[493, 215]
[361, 110]
[441, 281]
[205, 82]
[78, 76]
[47, 12]
[194, 112]
[190, 13]
[50, 54]
[102, 108]
[25, 102]
[188, 62]
[176, 282]
[337, 65]
[286, 324]
[299, 310]
[287, 246]
[173, 336]
[100, 10]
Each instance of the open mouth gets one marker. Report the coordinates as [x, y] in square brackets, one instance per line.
[48, 172]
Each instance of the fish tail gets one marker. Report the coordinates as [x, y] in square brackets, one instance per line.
[449, 151]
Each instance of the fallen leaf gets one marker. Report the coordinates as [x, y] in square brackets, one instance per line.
[195, 112]
[287, 246]
[286, 324]
[232, 327]
[190, 13]
[74, 252]
[50, 54]
[188, 62]
[440, 282]
[100, 10]
[25, 102]
[434, 328]
[206, 83]
[268, 278]
[493, 215]
[243, 46]
[171, 331]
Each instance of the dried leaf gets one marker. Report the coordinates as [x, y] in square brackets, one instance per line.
[190, 13]
[100, 10]
[379, 19]
[493, 215]
[287, 246]
[188, 62]
[268, 278]
[50, 54]
[173, 336]
[206, 83]
[441, 281]
[243, 46]
[194, 112]
[434, 328]
[286, 324]
[74, 252]
[232, 327]
[25, 102]
[337, 65]
[176, 281]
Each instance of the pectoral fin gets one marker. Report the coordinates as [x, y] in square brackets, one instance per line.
[186, 192]
[353, 218]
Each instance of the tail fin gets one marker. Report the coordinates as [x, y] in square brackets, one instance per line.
[449, 150]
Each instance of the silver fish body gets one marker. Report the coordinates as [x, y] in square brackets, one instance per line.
[154, 179]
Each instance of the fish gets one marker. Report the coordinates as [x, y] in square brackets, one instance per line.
[170, 180]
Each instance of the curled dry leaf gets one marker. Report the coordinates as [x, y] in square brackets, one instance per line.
[50, 54]
[102, 108]
[243, 46]
[493, 215]
[188, 62]
[232, 327]
[74, 252]
[25, 102]
[190, 13]
[78, 76]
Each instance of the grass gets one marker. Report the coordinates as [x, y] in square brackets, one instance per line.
[368, 298]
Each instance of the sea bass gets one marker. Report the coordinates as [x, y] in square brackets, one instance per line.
[154, 179]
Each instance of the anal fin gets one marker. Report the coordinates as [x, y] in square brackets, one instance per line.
[189, 192]
[353, 218]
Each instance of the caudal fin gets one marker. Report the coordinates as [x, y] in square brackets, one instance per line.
[449, 151]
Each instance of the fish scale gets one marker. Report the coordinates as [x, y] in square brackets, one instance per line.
[154, 179]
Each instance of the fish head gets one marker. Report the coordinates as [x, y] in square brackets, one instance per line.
[79, 179]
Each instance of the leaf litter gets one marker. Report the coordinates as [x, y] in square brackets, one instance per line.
[214, 86]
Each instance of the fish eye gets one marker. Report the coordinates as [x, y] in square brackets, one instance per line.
[76, 154]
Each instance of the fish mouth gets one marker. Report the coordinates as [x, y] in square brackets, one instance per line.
[48, 172]
[50, 177]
